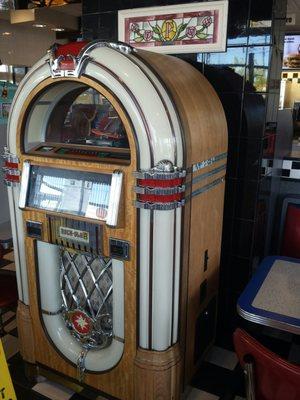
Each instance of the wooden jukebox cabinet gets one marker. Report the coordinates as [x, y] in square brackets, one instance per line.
[115, 169]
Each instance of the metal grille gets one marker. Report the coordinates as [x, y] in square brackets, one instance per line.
[87, 288]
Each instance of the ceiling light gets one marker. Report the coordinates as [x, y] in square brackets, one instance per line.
[39, 25]
[6, 33]
[58, 29]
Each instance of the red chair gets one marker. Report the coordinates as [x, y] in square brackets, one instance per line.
[8, 297]
[268, 376]
[291, 233]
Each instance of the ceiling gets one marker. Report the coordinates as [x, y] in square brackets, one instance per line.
[36, 32]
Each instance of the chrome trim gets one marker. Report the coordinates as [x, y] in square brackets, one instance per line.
[118, 46]
[79, 64]
[24, 184]
[118, 339]
[201, 177]
[205, 188]
[154, 174]
[273, 323]
[249, 377]
[159, 190]
[114, 198]
[52, 312]
[81, 364]
[7, 155]
[208, 162]
[159, 206]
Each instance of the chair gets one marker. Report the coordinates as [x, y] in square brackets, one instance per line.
[289, 229]
[8, 297]
[268, 376]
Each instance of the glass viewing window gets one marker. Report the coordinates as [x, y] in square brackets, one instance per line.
[75, 115]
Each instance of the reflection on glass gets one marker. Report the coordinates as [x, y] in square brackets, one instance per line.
[234, 58]
[86, 117]
[78, 193]
[257, 68]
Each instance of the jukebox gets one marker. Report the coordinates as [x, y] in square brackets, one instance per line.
[115, 166]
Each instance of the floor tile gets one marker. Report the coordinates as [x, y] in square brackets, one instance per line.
[4, 263]
[222, 357]
[218, 380]
[196, 394]
[10, 345]
[11, 325]
[9, 267]
[53, 390]
[9, 256]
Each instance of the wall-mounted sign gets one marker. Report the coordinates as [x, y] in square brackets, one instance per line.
[184, 28]
[7, 92]
[291, 52]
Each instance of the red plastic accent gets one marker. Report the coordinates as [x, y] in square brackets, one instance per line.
[70, 48]
[160, 182]
[156, 198]
[67, 65]
[11, 165]
[291, 234]
[275, 378]
[12, 178]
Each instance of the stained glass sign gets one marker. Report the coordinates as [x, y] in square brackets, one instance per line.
[196, 27]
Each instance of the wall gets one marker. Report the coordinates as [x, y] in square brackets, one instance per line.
[292, 89]
[12, 51]
[247, 79]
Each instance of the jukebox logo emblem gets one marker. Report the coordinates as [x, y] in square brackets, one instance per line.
[74, 234]
[81, 323]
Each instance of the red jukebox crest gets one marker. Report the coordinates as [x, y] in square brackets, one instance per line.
[81, 323]
[115, 173]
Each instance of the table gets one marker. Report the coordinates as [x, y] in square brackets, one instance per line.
[272, 297]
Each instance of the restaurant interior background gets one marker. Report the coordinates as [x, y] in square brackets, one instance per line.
[261, 101]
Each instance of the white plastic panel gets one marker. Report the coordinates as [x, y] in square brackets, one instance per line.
[177, 275]
[162, 298]
[49, 273]
[144, 278]
[146, 96]
[170, 109]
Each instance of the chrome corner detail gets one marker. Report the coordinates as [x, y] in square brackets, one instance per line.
[159, 206]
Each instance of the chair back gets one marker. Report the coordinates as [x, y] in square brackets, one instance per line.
[275, 378]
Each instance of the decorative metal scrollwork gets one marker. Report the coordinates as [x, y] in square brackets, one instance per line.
[87, 292]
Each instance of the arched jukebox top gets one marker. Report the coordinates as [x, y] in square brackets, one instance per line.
[112, 145]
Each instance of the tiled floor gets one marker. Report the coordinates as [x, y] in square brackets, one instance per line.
[219, 378]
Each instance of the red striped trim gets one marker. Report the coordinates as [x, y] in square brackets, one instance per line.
[12, 178]
[155, 198]
[160, 182]
[12, 165]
